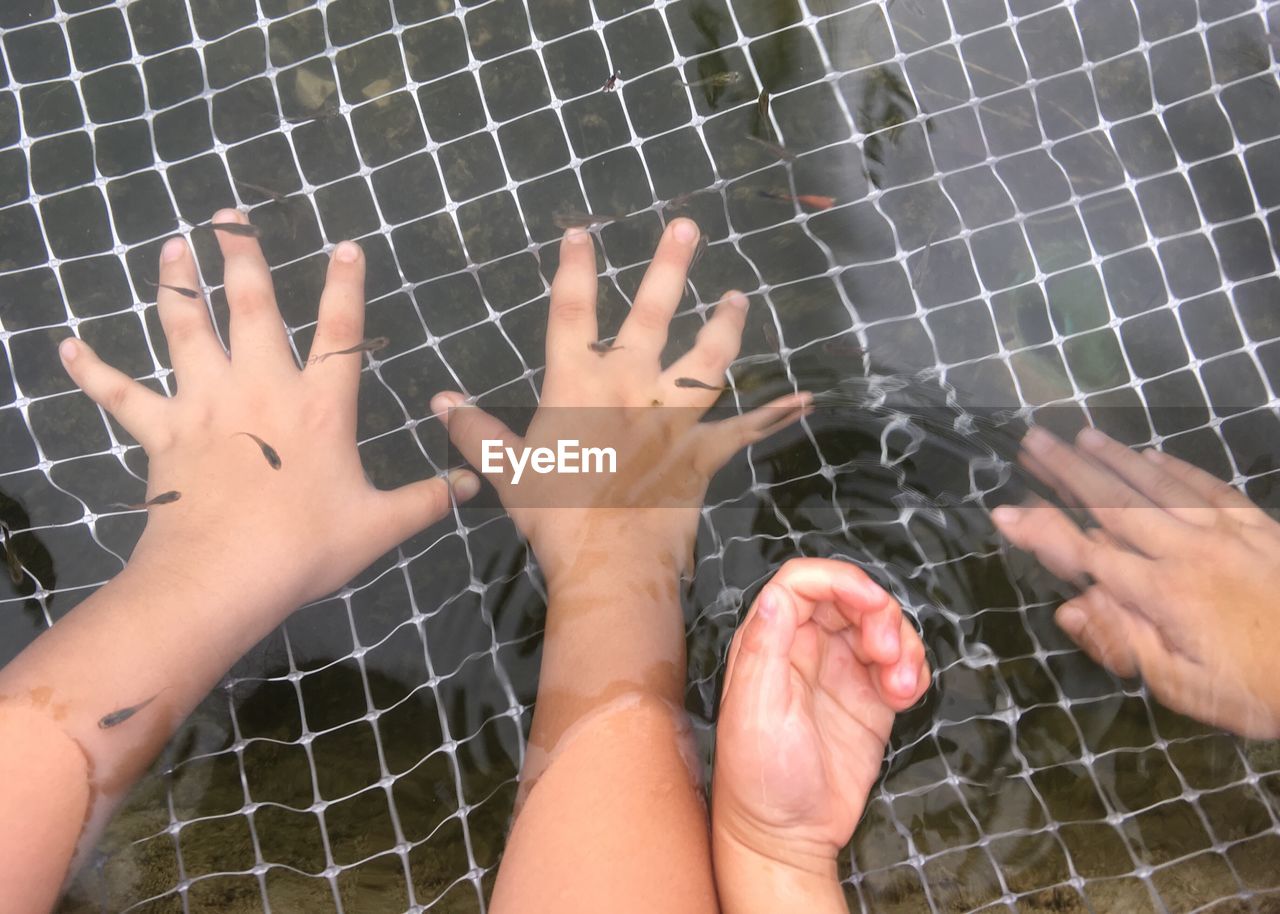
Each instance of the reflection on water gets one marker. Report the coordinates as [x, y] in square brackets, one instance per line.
[1035, 203]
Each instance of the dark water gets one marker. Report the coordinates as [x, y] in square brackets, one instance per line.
[1038, 204]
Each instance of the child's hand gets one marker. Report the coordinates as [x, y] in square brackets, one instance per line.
[622, 398]
[1180, 581]
[303, 528]
[816, 673]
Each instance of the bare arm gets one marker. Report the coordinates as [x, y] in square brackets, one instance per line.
[815, 675]
[95, 698]
[750, 881]
[257, 530]
[612, 815]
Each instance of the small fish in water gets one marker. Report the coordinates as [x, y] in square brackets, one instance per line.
[164, 498]
[324, 114]
[680, 202]
[920, 265]
[698, 251]
[696, 384]
[809, 201]
[115, 718]
[242, 229]
[275, 195]
[715, 80]
[611, 83]
[771, 337]
[185, 293]
[762, 107]
[841, 348]
[602, 348]
[16, 571]
[577, 219]
[781, 152]
[267, 450]
[375, 344]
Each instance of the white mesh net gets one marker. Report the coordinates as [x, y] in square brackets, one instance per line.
[1062, 202]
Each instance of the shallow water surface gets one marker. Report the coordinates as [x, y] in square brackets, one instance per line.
[1048, 209]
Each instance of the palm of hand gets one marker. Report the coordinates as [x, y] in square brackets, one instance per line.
[820, 757]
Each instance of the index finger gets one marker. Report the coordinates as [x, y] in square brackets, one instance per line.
[1121, 509]
[194, 350]
[645, 328]
[1163, 489]
[257, 331]
[839, 594]
[571, 323]
[1215, 491]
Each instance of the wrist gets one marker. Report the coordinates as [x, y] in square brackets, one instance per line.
[788, 850]
[609, 548]
[758, 871]
[193, 571]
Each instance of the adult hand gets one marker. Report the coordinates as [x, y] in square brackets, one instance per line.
[1179, 581]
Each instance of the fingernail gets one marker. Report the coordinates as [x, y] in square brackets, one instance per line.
[890, 641]
[347, 252]
[68, 349]
[684, 231]
[905, 679]
[575, 236]
[1070, 620]
[736, 300]
[767, 608]
[442, 403]
[859, 590]
[1091, 439]
[1006, 516]
[1037, 441]
[172, 250]
[227, 215]
[464, 485]
[1153, 455]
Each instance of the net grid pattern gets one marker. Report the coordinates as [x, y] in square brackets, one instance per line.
[906, 255]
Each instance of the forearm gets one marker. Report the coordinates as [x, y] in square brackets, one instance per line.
[614, 626]
[618, 823]
[37, 840]
[158, 634]
[749, 881]
[609, 773]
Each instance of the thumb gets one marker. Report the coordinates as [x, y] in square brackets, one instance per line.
[760, 681]
[1097, 622]
[470, 427]
[411, 508]
[728, 436]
